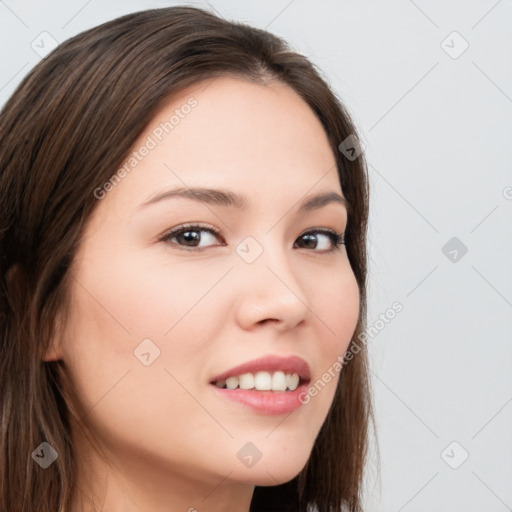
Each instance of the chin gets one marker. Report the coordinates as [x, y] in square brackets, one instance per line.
[275, 469]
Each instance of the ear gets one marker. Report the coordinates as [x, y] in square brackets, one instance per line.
[52, 354]
[54, 351]
[16, 288]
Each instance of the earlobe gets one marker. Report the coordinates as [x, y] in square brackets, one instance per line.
[51, 355]
[16, 287]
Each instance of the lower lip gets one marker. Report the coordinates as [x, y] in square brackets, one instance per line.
[265, 402]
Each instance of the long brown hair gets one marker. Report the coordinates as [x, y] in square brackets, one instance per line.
[64, 132]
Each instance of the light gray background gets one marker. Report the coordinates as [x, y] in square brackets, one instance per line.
[437, 130]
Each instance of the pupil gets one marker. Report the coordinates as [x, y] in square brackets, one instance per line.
[310, 238]
[189, 236]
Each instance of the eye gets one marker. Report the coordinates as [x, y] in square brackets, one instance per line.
[323, 237]
[192, 235]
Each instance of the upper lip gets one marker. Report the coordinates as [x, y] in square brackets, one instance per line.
[271, 363]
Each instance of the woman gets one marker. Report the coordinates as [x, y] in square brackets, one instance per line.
[183, 231]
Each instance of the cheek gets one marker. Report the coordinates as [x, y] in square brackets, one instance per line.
[120, 303]
[337, 308]
[146, 297]
[112, 312]
[341, 306]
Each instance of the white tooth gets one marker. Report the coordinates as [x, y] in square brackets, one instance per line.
[294, 382]
[288, 376]
[220, 383]
[232, 382]
[246, 381]
[279, 381]
[263, 381]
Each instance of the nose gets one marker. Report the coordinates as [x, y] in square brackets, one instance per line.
[269, 291]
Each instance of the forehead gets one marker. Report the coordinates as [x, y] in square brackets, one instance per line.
[233, 133]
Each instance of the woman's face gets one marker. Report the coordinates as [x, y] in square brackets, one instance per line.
[154, 320]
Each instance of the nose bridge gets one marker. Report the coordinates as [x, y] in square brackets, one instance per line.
[270, 286]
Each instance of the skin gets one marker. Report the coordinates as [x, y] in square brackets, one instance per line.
[170, 442]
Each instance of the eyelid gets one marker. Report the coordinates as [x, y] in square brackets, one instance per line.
[337, 239]
[191, 226]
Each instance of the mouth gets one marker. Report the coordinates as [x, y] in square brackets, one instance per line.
[267, 373]
[277, 382]
[270, 385]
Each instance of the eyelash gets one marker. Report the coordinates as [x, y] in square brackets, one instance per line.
[336, 239]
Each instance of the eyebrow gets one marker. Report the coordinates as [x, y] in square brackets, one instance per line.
[223, 197]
